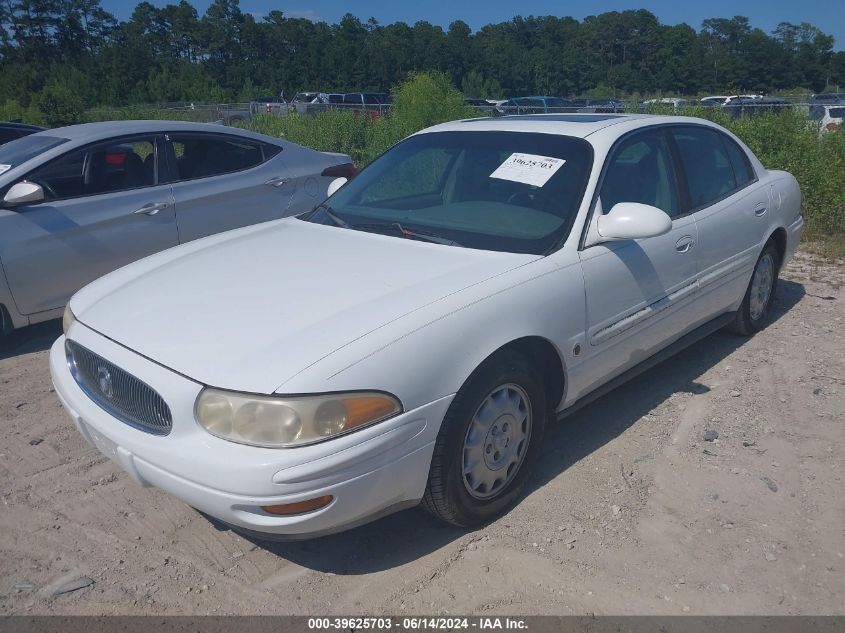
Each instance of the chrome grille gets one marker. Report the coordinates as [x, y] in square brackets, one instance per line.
[118, 392]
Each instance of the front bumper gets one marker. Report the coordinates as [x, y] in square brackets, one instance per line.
[368, 472]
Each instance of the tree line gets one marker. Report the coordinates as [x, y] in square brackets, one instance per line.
[73, 53]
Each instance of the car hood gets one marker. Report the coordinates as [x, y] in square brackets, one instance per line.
[249, 309]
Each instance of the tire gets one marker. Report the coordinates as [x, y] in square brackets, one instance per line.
[754, 312]
[484, 421]
[5, 322]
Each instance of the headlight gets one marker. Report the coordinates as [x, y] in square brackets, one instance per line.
[279, 422]
[67, 318]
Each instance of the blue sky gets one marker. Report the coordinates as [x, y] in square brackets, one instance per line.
[765, 14]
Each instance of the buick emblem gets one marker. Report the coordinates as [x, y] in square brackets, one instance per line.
[104, 380]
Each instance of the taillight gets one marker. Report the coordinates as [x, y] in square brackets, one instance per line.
[346, 170]
[831, 126]
[269, 108]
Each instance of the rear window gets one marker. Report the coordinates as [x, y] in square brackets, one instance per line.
[19, 151]
[837, 113]
[201, 156]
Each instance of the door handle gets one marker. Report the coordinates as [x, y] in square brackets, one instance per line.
[684, 244]
[276, 182]
[760, 209]
[152, 208]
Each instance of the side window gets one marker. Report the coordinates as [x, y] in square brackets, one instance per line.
[200, 156]
[640, 170]
[743, 171]
[708, 169]
[103, 168]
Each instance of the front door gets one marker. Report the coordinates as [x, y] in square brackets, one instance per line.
[103, 209]
[639, 293]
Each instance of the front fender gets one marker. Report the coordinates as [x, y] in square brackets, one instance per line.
[431, 353]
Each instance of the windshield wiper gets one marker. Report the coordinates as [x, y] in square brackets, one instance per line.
[376, 227]
[334, 217]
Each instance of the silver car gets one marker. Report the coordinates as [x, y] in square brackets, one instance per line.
[81, 201]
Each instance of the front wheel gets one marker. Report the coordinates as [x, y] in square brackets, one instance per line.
[756, 305]
[488, 442]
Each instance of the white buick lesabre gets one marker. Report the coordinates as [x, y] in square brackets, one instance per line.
[409, 339]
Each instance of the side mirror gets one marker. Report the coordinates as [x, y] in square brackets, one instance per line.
[633, 221]
[334, 185]
[23, 193]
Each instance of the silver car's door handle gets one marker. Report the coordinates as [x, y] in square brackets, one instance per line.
[684, 244]
[152, 208]
[760, 209]
[276, 182]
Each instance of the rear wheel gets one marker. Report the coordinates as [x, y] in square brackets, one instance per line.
[756, 305]
[488, 442]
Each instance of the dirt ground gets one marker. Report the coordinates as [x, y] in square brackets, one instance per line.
[631, 510]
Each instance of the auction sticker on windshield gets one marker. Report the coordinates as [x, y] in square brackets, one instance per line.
[530, 169]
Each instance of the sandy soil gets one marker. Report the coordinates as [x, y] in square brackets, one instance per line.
[630, 511]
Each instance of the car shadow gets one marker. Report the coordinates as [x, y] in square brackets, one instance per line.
[405, 536]
[33, 338]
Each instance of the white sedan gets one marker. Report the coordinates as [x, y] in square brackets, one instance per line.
[409, 339]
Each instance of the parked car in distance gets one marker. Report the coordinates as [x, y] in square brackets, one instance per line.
[715, 100]
[268, 105]
[675, 102]
[80, 201]
[476, 280]
[754, 106]
[534, 105]
[482, 105]
[830, 117]
[600, 105]
[833, 98]
[11, 130]
[373, 103]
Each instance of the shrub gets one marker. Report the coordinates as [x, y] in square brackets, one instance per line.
[59, 105]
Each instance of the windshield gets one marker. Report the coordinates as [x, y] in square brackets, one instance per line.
[501, 191]
[19, 151]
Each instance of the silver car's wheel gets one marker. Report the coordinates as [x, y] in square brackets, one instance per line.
[761, 286]
[496, 441]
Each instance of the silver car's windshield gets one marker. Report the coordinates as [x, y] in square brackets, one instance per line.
[515, 192]
[23, 149]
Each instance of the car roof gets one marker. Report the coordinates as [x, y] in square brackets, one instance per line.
[578, 125]
[87, 132]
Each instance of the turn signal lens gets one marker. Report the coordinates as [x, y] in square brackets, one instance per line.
[300, 507]
[67, 318]
[279, 422]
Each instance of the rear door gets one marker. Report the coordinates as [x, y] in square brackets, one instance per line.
[731, 210]
[223, 182]
[106, 207]
[640, 293]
